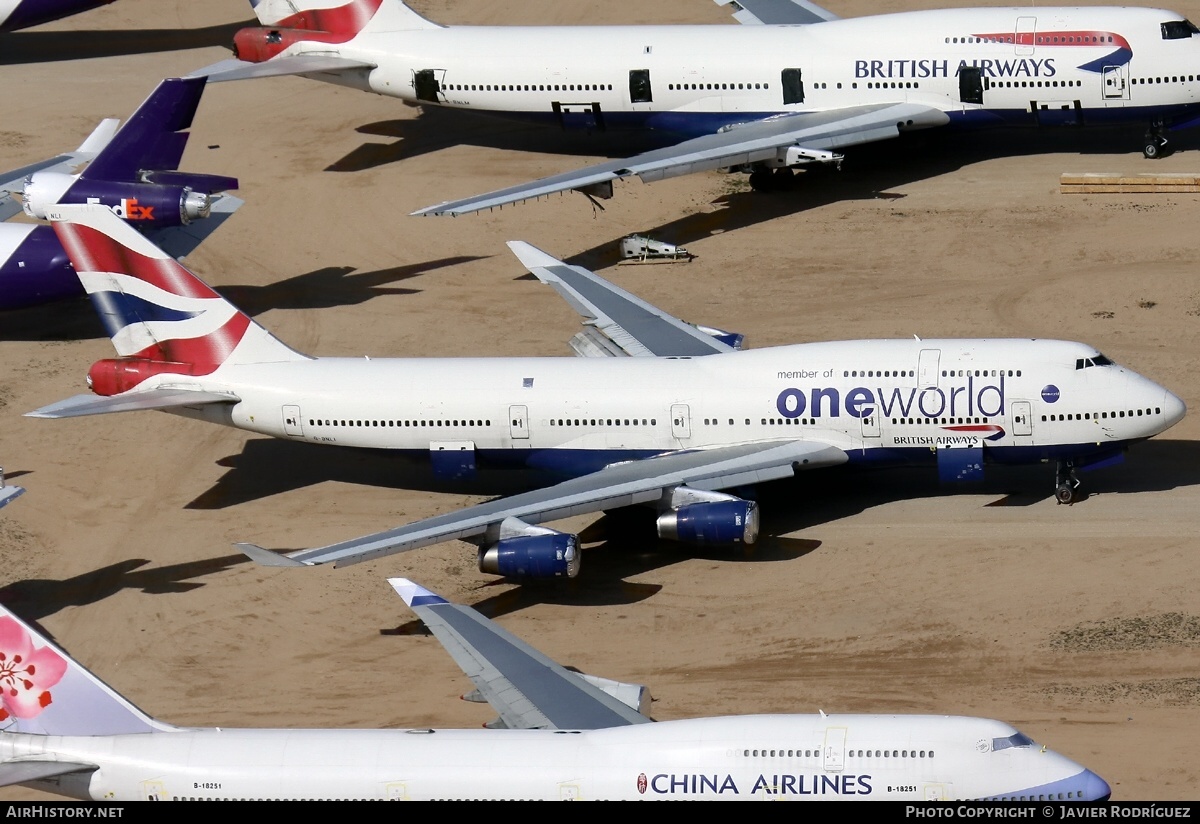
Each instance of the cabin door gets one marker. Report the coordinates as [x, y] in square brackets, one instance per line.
[292, 425]
[518, 423]
[834, 753]
[1115, 87]
[681, 421]
[927, 368]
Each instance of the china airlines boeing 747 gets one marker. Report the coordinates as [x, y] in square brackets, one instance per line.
[657, 412]
[795, 86]
[561, 736]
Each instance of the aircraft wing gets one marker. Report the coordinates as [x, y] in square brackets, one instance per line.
[80, 405]
[629, 325]
[284, 66]
[623, 484]
[13, 181]
[753, 142]
[777, 12]
[8, 494]
[526, 688]
[21, 772]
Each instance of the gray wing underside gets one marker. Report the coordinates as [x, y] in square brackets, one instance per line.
[752, 142]
[22, 772]
[777, 12]
[289, 65]
[81, 405]
[525, 688]
[631, 325]
[624, 484]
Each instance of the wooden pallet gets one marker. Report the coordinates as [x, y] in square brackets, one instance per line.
[1100, 183]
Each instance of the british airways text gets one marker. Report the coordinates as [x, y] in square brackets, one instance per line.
[916, 69]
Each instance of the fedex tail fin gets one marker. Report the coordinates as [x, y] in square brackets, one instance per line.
[162, 319]
[340, 17]
[45, 691]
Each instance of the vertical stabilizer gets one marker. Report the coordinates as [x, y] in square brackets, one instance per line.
[156, 312]
[340, 17]
[45, 691]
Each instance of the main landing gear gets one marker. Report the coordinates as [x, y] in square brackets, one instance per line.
[1155, 143]
[1066, 483]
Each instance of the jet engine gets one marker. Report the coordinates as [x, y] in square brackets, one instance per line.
[526, 551]
[697, 516]
[144, 205]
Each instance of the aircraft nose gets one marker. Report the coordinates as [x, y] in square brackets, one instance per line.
[1095, 788]
[1173, 409]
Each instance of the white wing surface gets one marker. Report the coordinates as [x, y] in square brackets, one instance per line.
[630, 325]
[753, 142]
[777, 12]
[13, 181]
[624, 484]
[527, 689]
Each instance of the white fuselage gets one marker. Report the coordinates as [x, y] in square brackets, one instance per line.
[1035, 66]
[889, 401]
[784, 757]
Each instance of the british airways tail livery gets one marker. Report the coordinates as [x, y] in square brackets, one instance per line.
[563, 736]
[21, 14]
[132, 170]
[761, 98]
[656, 412]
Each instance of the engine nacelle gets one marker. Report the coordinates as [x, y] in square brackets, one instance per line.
[548, 555]
[144, 205]
[33, 267]
[113, 376]
[720, 523]
[260, 44]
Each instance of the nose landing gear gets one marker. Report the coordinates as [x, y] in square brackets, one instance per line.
[1066, 483]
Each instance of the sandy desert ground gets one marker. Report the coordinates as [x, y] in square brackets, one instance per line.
[879, 592]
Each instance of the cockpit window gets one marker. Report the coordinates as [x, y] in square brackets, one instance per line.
[1178, 29]
[1094, 360]
[1017, 739]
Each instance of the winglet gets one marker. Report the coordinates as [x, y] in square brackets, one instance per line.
[531, 256]
[265, 557]
[414, 594]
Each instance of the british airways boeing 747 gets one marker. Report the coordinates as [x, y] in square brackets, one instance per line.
[657, 412]
[561, 735]
[795, 86]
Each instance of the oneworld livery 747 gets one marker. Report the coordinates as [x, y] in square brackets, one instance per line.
[795, 85]
[655, 411]
[561, 735]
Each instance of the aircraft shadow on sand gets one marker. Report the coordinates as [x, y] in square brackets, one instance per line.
[17, 48]
[871, 171]
[320, 289]
[37, 598]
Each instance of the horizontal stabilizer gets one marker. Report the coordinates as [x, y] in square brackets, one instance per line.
[279, 67]
[81, 405]
[22, 772]
[181, 241]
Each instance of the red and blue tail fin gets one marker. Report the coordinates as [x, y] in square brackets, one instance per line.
[345, 18]
[153, 308]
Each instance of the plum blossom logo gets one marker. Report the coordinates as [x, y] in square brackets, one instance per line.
[26, 674]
